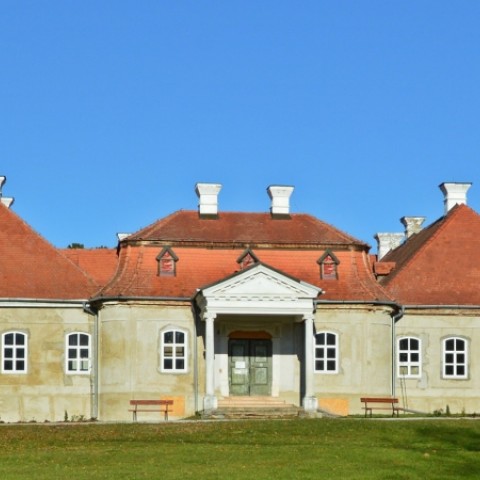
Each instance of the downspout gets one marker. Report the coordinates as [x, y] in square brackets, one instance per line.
[195, 358]
[94, 377]
[395, 318]
[400, 311]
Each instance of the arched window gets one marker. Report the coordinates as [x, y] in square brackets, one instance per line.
[409, 357]
[78, 356]
[455, 358]
[326, 352]
[14, 352]
[173, 351]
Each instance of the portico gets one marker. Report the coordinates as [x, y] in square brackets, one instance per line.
[264, 304]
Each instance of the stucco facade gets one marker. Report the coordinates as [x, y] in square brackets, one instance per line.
[204, 306]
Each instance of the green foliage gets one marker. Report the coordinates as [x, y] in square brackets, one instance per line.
[76, 245]
[276, 449]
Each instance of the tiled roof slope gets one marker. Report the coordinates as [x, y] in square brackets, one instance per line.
[237, 227]
[32, 268]
[440, 265]
[99, 263]
[217, 245]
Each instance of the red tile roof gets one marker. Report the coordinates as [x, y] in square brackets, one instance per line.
[440, 265]
[208, 251]
[32, 268]
[240, 228]
[99, 263]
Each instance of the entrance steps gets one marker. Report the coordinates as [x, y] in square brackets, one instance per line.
[254, 407]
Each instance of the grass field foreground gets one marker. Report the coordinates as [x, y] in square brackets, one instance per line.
[257, 449]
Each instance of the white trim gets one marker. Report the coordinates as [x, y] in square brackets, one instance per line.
[409, 363]
[14, 371]
[77, 358]
[325, 347]
[259, 290]
[174, 329]
[455, 363]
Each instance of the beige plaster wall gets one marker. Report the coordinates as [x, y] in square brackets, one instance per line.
[45, 392]
[365, 352]
[432, 391]
[129, 359]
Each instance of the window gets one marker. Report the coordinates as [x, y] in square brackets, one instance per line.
[326, 352]
[246, 259]
[328, 266]
[167, 261]
[455, 358]
[14, 350]
[174, 351]
[78, 353]
[409, 358]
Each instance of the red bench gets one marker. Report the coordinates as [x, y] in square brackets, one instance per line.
[162, 406]
[380, 403]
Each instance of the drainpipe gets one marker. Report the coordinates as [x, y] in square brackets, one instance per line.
[400, 310]
[395, 318]
[195, 357]
[94, 377]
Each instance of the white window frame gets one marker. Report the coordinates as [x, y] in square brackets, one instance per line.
[409, 364]
[16, 349]
[452, 358]
[322, 352]
[78, 351]
[173, 348]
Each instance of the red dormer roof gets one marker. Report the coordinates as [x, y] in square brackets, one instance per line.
[32, 268]
[207, 251]
[440, 265]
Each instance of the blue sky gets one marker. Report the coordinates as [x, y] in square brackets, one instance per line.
[111, 111]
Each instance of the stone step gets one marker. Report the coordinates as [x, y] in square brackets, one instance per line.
[254, 407]
[258, 402]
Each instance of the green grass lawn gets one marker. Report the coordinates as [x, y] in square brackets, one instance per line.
[257, 449]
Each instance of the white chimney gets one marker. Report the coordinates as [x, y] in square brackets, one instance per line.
[7, 201]
[387, 242]
[280, 196]
[208, 198]
[412, 225]
[454, 193]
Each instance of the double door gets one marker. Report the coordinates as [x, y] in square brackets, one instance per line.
[250, 366]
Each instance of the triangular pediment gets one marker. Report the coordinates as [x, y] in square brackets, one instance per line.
[259, 289]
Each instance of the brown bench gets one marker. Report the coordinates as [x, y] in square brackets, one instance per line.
[162, 406]
[380, 403]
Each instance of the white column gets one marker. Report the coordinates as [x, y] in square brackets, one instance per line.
[309, 400]
[210, 400]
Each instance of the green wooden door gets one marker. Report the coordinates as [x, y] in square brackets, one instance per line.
[250, 366]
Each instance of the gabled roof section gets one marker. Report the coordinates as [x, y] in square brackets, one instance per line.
[237, 228]
[259, 289]
[31, 268]
[440, 265]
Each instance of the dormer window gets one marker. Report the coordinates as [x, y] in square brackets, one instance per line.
[246, 259]
[328, 266]
[167, 261]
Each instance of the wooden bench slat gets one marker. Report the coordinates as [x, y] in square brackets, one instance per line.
[368, 407]
[163, 406]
